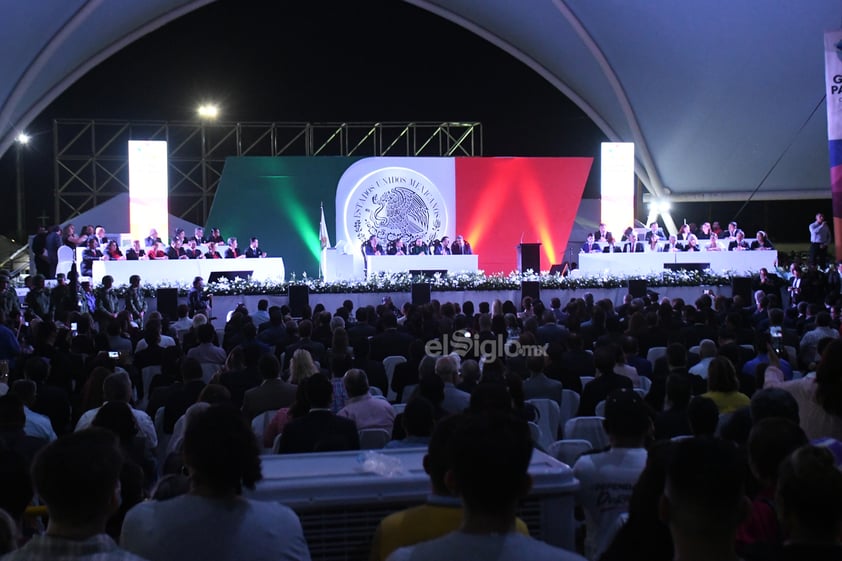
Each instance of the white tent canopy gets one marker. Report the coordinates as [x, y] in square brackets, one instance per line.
[719, 97]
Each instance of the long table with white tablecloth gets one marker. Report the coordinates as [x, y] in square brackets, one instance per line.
[183, 271]
[403, 263]
[655, 262]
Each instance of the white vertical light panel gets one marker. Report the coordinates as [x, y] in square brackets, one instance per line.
[148, 188]
[617, 186]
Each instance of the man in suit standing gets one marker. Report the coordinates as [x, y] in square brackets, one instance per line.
[319, 430]
[602, 235]
[272, 393]
[51, 245]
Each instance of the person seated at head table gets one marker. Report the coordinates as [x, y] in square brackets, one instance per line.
[602, 234]
[199, 236]
[739, 243]
[135, 252]
[176, 251]
[157, 251]
[216, 237]
[672, 245]
[192, 251]
[632, 245]
[590, 246]
[397, 247]
[152, 238]
[232, 252]
[610, 246]
[762, 241]
[653, 245]
[113, 252]
[683, 233]
[704, 231]
[461, 247]
[419, 248]
[692, 243]
[713, 243]
[212, 252]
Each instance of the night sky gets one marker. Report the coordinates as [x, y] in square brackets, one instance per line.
[317, 62]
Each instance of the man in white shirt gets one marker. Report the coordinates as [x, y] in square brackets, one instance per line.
[810, 341]
[707, 352]
[37, 425]
[166, 340]
[118, 387]
[607, 478]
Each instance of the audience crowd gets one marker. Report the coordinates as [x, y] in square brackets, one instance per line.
[721, 417]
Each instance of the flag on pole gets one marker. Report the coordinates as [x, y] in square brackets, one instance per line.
[325, 241]
[833, 84]
[323, 237]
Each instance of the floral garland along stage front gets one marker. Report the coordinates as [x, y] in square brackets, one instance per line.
[402, 282]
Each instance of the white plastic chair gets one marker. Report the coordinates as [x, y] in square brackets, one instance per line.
[586, 380]
[645, 384]
[694, 350]
[258, 426]
[655, 353]
[568, 450]
[569, 407]
[374, 439]
[549, 413]
[65, 260]
[535, 432]
[276, 445]
[407, 392]
[399, 408]
[587, 428]
[146, 375]
[600, 409]
[209, 369]
[389, 364]
[163, 438]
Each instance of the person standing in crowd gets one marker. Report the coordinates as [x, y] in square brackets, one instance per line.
[135, 302]
[197, 300]
[152, 238]
[819, 240]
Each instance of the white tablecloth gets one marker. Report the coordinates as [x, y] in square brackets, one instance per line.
[646, 263]
[183, 271]
[404, 263]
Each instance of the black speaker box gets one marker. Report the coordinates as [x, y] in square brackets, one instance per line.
[742, 286]
[420, 293]
[299, 299]
[167, 301]
[637, 288]
[531, 289]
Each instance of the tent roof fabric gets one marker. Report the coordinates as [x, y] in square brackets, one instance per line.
[724, 95]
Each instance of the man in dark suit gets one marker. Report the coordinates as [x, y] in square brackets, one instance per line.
[253, 251]
[461, 247]
[272, 394]
[590, 246]
[391, 342]
[52, 243]
[305, 332]
[606, 381]
[602, 235]
[373, 247]
[319, 430]
[444, 247]
[632, 245]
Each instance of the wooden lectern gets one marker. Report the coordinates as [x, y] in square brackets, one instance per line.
[529, 257]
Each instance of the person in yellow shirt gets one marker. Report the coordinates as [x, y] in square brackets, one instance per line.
[440, 515]
[724, 386]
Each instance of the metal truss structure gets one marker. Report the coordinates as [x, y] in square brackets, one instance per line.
[91, 156]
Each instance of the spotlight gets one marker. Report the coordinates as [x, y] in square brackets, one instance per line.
[208, 111]
[22, 138]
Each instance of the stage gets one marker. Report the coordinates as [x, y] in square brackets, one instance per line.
[224, 304]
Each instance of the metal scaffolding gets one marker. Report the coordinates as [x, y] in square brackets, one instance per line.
[91, 156]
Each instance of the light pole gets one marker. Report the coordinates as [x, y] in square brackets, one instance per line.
[20, 141]
[207, 112]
